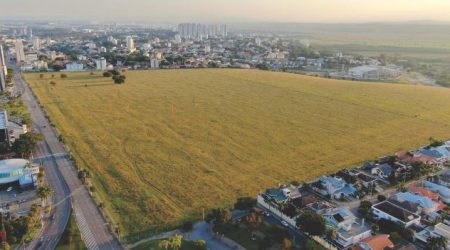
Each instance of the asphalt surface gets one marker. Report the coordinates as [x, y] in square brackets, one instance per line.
[68, 189]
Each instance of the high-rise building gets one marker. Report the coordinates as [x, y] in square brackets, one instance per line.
[36, 43]
[3, 70]
[20, 54]
[199, 31]
[130, 44]
[101, 64]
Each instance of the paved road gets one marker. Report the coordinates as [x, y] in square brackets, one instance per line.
[68, 189]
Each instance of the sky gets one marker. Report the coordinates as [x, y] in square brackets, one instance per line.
[310, 11]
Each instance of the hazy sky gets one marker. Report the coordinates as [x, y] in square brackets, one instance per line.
[230, 10]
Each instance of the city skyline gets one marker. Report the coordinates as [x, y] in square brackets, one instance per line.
[322, 11]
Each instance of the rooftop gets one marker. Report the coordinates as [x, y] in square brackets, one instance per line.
[396, 211]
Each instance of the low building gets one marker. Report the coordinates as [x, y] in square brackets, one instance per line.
[376, 242]
[334, 187]
[443, 191]
[366, 180]
[389, 211]
[383, 171]
[439, 230]
[425, 204]
[282, 194]
[18, 170]
[349, 230]
[101, 64]
[74, 67]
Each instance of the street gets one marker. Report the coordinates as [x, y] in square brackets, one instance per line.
[69, 192]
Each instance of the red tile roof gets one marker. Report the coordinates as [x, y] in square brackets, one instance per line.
[377, 242]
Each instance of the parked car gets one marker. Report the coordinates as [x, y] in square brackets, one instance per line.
[284, 223]
[9, 189]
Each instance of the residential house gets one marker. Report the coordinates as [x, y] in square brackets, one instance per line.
[349, 230]
[443, 191]
[383, 171]
[376, 242]
[390, 211]
[425, 204]
[319, 207]
[434, 154]
[282, 194]
[366, 180]
[423, 156]
[444, 150]
[439, 230]
[444, 179]
[334, 187]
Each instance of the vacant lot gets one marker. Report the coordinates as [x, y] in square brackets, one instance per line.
[166, 144]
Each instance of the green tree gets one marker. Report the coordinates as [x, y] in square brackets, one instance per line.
[164, 244]
[44, 192]
[119, 79]
[311, 223]
[187, 226]
[331, 234]
[245, 203]
[175, 242]
[375, 228]
[365, 209]
[200, 245]
[220, 216]
[436, 243]
[253, 219]
[278, 233]
[24, 145]
[312, 245]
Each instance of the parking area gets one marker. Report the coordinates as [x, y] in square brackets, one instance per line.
[15, 202]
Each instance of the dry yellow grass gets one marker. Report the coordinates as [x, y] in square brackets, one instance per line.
[168, 143]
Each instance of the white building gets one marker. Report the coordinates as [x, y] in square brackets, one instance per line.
[439, 230]
[74, 67]
[177, 39]
[101, 64]
[36, 43]
[154, 63]
[130, 44]
[31, 57]
[20, 54]
[389, 211]
[3, 70]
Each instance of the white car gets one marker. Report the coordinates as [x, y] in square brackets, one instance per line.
[284, 223]
[9, 189]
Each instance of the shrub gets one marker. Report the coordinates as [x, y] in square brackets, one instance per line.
[107, 74]
[381, 198]
[245, 203]
[187, 226]
[119, 79]
[63, 76]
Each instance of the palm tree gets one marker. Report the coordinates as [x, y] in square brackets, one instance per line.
[44, 192]
[437, 243]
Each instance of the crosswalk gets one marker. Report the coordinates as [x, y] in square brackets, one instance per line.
[86, 233]
[49, 157]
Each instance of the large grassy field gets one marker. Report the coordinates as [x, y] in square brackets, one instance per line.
[167, 143]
